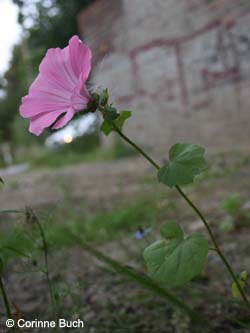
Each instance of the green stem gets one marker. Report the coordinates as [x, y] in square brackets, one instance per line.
[136, 147]
[198, 212]
[217, 248]
[6, 302]
[49, 283]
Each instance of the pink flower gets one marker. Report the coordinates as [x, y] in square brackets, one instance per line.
[59, 91]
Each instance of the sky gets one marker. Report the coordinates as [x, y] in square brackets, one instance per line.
[10, 32]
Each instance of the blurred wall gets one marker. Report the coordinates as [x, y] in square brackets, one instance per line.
[182, 66]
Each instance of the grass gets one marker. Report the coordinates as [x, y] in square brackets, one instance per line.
[101, 227]
[67, 227]
[63, 157]
[20, 239]
[86, 149]
[123, 220]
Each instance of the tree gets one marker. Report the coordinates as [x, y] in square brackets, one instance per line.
[14, 85]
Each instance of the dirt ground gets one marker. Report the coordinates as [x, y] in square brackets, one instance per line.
[90, 182]
[108, 302]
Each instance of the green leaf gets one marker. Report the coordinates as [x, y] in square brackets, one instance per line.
[106, 128]
[110, 114]
[175, 260]
[171, 230]
[232, 204]
[15, 243]
[139, 278]
[242, 281]
[185, 162]
[1, 180]
[227, 224]
[119, 121]
[123, 116]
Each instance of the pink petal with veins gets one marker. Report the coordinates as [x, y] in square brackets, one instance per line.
[59, 88]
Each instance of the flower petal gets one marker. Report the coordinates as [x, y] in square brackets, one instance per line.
[64, 119]
[44, 97]
[57, 68]
[44, 84]
[59, 87]
[80, 97]
[80, 57]
[34, 105]
[41, 121]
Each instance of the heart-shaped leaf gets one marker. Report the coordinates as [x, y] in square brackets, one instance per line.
[185, 162]
[171, 230]
[175, 260]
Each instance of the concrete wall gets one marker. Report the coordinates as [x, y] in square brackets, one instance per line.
[182, 66]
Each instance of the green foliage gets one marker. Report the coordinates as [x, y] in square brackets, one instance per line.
[227, 224]
[106, 128]
[15, 80]
[242, 281]
[104, 97]
[175, 260]
[185, 162]
[247, 216]
[232, 204]
[123, 116]
[40, 157]
[112, 119]
[15, 243]
[104, 226]
[139, 278]
[119, 121]
[21, 135]
[110, 114]
[171, 230]
[53, 21]
[98, 226]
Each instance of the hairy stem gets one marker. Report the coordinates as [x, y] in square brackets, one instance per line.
[197, 211]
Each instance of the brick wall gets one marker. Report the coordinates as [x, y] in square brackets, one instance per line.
[182, 66]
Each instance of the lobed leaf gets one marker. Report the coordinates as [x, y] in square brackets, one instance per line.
[123, 116]
[174, 261]
[107, 126]
[185, 162]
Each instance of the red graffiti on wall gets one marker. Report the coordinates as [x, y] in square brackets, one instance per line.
[218, 64]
